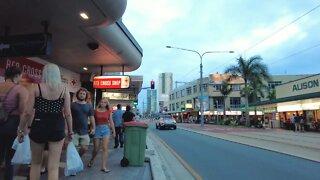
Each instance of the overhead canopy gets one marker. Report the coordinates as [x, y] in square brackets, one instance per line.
[117, 49]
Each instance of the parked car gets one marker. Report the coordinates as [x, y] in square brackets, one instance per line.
[166, 121]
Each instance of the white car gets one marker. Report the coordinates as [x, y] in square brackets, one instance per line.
[166, 121]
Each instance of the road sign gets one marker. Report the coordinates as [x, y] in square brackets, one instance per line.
[111, 82]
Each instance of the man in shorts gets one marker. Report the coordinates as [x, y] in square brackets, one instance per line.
[81, 113]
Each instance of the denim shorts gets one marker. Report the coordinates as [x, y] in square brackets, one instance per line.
[101, 131]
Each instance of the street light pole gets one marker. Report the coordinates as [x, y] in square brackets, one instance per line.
[201, 83]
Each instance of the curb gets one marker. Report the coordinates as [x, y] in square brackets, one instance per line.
[152, 155]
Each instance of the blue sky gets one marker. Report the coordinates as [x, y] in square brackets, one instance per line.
[272, 29]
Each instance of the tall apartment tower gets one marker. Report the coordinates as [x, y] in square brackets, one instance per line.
[164, 88]
[152, 101]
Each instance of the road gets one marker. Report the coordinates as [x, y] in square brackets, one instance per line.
[214, 158]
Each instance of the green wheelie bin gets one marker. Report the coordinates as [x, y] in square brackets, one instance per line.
[135, 142]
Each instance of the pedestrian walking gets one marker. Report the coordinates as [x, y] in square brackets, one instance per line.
[82, 111]
[13, 98]
[297, 120]
[104, 123]
[301, 123]
[128, 115]
[292, 120]
[117, 120]
[50, 103]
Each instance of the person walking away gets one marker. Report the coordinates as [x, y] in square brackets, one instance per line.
[301, 123]
[81, 111]
[292, 119]
[297, 120]
[104, 123]
[50, 103]
[13, 98]
[128, 115]
[117, 120]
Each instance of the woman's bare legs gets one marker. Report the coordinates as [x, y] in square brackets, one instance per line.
[96, 144]
[54, 154]
[36, 149]
[105, 140]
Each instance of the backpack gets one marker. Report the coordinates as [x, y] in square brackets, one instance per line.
[3, 112]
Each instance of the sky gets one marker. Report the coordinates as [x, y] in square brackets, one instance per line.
[286, 34]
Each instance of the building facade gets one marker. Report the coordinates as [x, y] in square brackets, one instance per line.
[164, 88]
[185, 100]
[152, 101]
[300, 97]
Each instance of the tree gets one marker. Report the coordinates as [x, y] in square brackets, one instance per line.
[272, 94]
[249, 70]
[225, 91]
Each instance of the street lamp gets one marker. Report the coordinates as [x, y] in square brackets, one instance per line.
[201, 56]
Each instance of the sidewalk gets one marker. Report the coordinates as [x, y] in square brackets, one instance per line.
[304, 145]
[159, 163]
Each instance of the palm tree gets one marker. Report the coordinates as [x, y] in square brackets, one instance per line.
[249, 70]
[258, 88]
[271, 94]
[225, 91]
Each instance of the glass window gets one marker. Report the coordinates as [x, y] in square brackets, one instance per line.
[235, 102]
[178, 94]
[189, 91]
[273, 84]
[235, 87]
[189, 101]
[177, 106]
[182, 92]
[205, 87]
[217, 87]
[195, 89]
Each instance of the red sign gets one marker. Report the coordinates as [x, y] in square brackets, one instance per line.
[29, 68]
[111, 82]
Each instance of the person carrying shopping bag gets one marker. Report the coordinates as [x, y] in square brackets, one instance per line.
[50, 103]
[13, 99]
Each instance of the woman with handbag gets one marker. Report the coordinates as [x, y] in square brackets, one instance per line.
[13, 99]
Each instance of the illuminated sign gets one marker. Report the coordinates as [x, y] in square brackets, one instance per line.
[111, 82]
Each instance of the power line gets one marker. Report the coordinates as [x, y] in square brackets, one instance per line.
[283, 27]
[296, 53]
[277, 31]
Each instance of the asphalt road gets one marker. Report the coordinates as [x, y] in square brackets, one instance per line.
[214, 158]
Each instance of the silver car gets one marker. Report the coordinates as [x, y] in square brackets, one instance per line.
[166, 121]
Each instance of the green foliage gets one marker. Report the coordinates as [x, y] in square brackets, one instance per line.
[234, 123]
[252, 70]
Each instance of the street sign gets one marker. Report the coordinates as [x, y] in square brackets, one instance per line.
[111, 82]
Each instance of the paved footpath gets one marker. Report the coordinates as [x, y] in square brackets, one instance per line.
[304, 145]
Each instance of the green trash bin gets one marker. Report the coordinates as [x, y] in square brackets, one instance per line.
[135, 142]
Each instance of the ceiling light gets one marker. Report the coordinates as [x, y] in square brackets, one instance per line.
[85, 68]
[84, 15]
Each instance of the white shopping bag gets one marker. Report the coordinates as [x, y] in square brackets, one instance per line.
[23, 152]
[74, 163]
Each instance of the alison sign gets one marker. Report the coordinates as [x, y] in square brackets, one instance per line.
[305, 85]
[111, 82]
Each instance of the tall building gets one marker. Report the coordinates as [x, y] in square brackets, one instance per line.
[152, 101]
[164, 88]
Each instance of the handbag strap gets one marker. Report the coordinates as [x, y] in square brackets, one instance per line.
[5, 98]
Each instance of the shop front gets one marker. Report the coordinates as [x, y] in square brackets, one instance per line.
[300, 97]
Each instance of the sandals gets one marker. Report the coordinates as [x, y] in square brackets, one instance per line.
[105, 170]
[90, 164]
